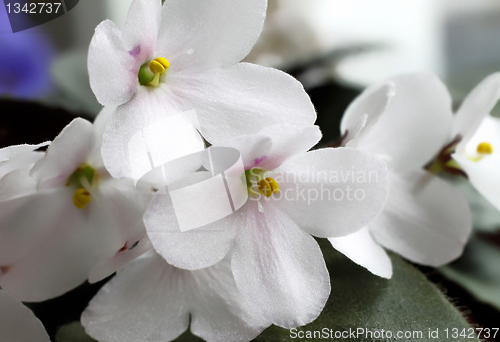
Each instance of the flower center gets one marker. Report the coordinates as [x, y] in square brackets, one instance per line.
[149, 73]
[258, 183]
[444, 162]
[83, 179]
[484, 148]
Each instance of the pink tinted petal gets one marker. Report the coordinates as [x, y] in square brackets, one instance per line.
[67, 152]
[364, 251]
[18, 323]
[113, 70]
[332, 192]
[220, 33]
[426, 220]
[254, 149]
[279, 268]
[141, 29]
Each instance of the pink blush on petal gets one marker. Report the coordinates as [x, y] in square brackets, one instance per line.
[257, 161]
[135, 51]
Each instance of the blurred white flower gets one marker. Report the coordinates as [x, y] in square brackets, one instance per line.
[182, 56]
[277, 264]
[18, 323]
[478, 133]
[74, 215]
[407, 121]
[153, 301]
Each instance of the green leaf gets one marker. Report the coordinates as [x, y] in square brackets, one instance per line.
[73, 332]
[478, 271]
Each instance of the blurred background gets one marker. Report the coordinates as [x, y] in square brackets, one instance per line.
[354, 43]
[334, 47]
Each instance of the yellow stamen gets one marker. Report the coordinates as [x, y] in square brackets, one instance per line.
[158, 67]
[268, 186]
[163, 62]
[81, 198]
[484, 148]
[274, 185]
[265, 188]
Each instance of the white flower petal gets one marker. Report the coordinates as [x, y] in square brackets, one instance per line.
[61, 260]
[479, 103]
[121, 208]
[242, 100]
[21, 233]
[18, 323]
[151, 300]
[121, 152]
[332, 192]
[100, 123]
[279, 268]
[252, 148]
[483, 175]
[288, 141]
[113, 71]
[66, 153]
[17, 184]
[220, 312]
[364, 251]
[141, 27]
[220, 32]
[19, 156]
[425, 220]
[488, 131]
[365, 111]
[415, 125]
[193, 249]
[274, 144]
[133, 249]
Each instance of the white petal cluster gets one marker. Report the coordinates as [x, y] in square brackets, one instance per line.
[75, 211]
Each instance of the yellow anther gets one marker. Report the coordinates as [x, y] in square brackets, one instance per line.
[265, 188]
[268, 186]
[163, 62]
[274, 184]
[484, 148]
[156, 67]
[81, 198]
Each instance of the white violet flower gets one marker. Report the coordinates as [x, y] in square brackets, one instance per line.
[277, 264]
[406, 121]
